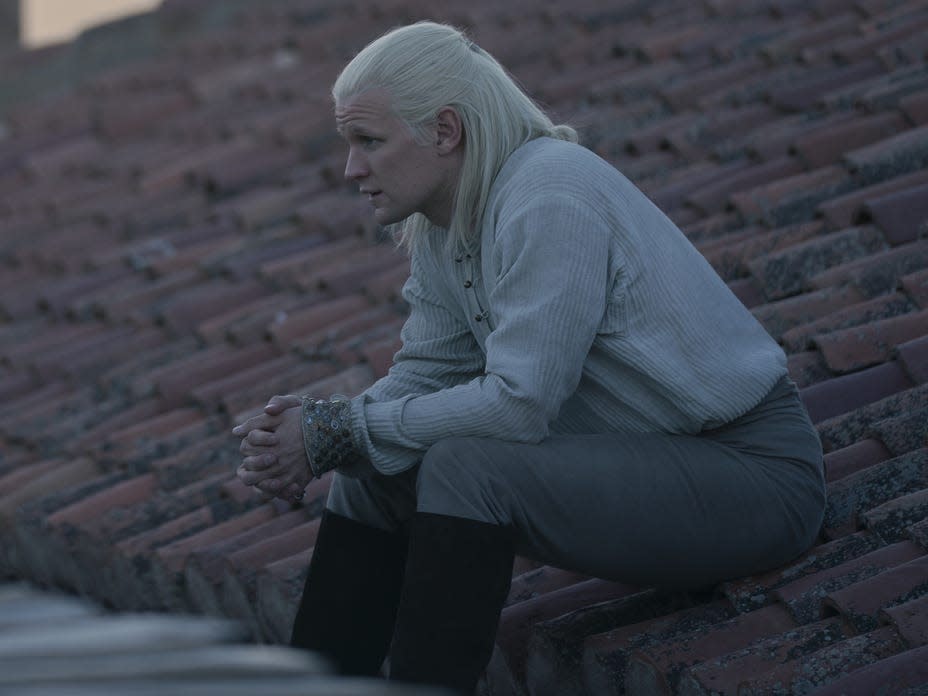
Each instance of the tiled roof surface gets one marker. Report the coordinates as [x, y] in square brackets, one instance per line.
[177, 246]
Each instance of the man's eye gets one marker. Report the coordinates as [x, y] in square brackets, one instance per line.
[367, 140]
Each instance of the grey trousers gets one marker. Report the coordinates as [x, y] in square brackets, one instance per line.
[651, 509]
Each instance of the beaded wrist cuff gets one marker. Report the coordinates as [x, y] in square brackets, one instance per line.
[327, 434]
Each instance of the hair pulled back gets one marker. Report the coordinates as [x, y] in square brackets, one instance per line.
[427, 66]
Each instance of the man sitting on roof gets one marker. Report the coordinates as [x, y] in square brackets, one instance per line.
[575, 385]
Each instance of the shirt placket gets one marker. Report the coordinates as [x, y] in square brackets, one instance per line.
[476, 303]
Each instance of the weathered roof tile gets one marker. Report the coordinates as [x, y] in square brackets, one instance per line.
[901, 214]
[892, 519]
[843, 210]
[785, 272]
[853, 458]
[855, 494]
[853, 348]
[754, 592]
[899, 154]
[825, 144]
[880, 307]
[878, 273]
[847, 428]
[803, 597]
[846, 393]
[736, 671]
[793, 198]
[909, 619]
[827, 664]
[659, 668]
[915, 107]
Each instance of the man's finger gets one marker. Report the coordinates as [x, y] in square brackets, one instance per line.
[262, 438]
[278, 404]
[259, 462]
[263, 421]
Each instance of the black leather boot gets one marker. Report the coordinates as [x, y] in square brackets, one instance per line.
[349, 602]
[457, 577]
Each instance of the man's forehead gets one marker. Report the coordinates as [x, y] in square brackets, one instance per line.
[366, 106]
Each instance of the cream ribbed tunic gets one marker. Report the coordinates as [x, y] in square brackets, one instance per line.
[586, 310]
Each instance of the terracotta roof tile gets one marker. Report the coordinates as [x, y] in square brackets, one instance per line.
[829, 663]
[901, 214]
[659, 668]
[702, 86]
[175, 555]
[606, 655]
[878, 34]
[820, 84]
[718, 192]
[888, 91]
[741, 669]
[784, 273]
[908, 619]
[652, 136]
[313, 318]
[807, 367]
[914, 357]
[276, 586]
[915, 107]
[239, 584]
[249, 385]
[770, 140]
[780, 316]
[631, 86]
[892, 519]
[844, 429]
[903, 673]
[843, 394]
[848, 460]
[791, 199]
[803, 597]
[878, 273]
[348, 273]
[248, 322]
[794, 44]
[186, 307]
[898, 154]
[860, 603]
[843, 210]
[175, 379]
[748, 291]
[826, 144]
[730, 260]
[855, 494]
[881, 307]
[903, 432]
[851, 349]
[916, 286]
[756, 591]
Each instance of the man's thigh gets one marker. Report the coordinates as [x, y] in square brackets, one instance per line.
[641, 508]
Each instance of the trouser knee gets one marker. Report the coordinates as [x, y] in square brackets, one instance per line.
[462, 478]
[381, 501]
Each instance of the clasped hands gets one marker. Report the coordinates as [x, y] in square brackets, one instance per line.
[274, 459]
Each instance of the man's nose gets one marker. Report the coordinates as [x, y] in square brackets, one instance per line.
[356, 166]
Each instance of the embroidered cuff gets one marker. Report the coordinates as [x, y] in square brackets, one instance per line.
[327, 434]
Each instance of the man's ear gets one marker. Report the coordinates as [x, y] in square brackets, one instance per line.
[449, 131]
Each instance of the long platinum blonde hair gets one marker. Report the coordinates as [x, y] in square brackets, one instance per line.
[427, 66]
